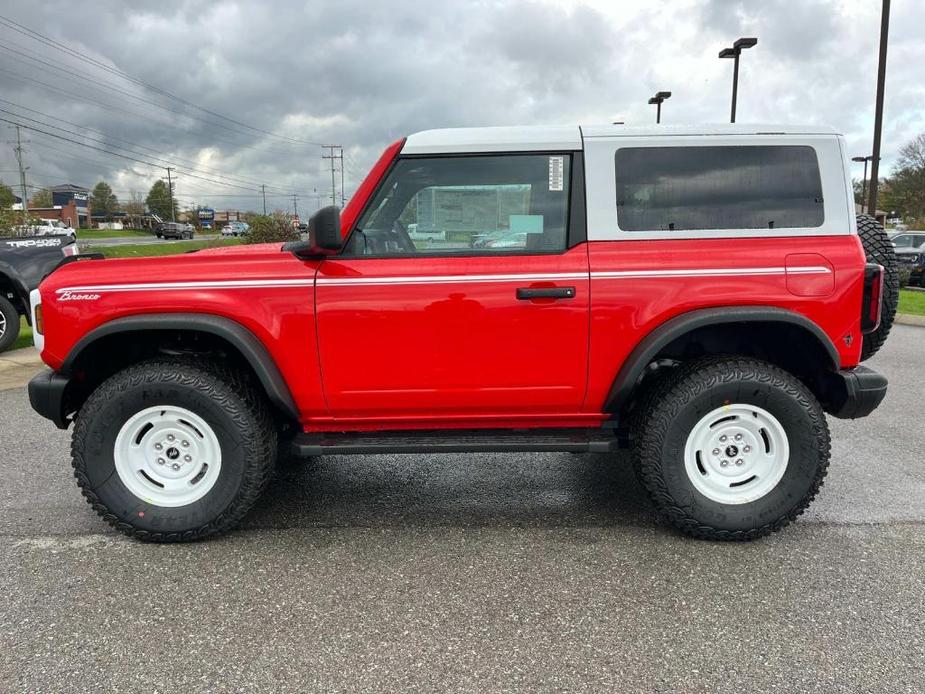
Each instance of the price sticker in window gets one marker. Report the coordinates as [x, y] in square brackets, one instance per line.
[556, 167]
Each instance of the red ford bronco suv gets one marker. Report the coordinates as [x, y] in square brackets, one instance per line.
[701, 295]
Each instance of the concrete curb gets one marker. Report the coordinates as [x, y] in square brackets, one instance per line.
[27, 356]
[909, 319]
[18, 366]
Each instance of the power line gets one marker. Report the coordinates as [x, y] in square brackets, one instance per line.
[136, 114]
[15, 26]
[211, 172]
[116, 154]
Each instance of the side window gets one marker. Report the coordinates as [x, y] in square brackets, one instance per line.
[904, 241]
[464, 204]
[718, 187]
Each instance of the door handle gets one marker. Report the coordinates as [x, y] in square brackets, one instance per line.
[527, 293]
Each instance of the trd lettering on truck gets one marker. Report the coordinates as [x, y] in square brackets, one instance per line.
[701, 295]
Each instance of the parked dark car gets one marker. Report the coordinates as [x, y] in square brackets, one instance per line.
[174, 230]
[24, 262]
[909, 241]
[914, 261]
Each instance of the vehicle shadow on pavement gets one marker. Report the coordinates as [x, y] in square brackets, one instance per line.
[483, 490]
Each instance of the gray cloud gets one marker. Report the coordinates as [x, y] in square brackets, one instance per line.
[363, 74]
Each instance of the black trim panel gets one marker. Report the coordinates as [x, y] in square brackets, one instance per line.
[594, 440]
[46, 395]
[251, 348]
[854, 393]
[667, 332]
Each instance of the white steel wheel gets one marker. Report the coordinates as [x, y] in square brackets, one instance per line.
[167, 456]
[736, 454]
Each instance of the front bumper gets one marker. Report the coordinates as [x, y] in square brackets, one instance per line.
[854, 393]
[46, 395]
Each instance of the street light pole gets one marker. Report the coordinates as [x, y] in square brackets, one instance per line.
[878, 117]
[658, 99]
[864, 183]
[734, 53]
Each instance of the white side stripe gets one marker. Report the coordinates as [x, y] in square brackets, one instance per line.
[210, 284]
[453, 279]
[713, 272]
[445, 279]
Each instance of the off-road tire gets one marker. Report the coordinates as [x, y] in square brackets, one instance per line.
[230, 404]
[669, 411]
[879, 249]
[9, 325]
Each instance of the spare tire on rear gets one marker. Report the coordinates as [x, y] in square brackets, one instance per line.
[879, 249]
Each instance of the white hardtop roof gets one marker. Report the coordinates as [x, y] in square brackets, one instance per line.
[569, 137]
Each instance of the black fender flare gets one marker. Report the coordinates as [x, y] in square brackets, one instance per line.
[9, 273]
[661, 336]
[241, 338]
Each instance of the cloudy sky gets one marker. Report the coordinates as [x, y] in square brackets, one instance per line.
[259, 85]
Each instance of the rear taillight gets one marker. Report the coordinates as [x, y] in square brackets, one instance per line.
[71, 249]
[872, 304]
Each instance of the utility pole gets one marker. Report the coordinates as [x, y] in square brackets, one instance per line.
[878, 117]
[173, 211]
[342, 177]
[263, 190]
[332, 156]
[295, 205]
[22, 173]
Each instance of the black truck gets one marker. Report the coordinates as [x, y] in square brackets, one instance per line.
[24, 262]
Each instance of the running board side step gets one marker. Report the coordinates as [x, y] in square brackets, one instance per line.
[457, 441]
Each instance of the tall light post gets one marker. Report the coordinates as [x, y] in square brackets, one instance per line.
[658, 99]
[878, 114]
[866, 159]
[734, 53]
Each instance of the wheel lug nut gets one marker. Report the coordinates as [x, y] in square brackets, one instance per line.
[715, 451]
[175, 466]
[170, 437]
[185, 444]
[724, 463]
[188, 458]
[739, 461]
[747, 449]
[161, 461]
[158, 446]
[723, 438]
[738, 437]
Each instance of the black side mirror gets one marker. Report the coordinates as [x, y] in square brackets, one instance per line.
[324, 229]
[323, 235]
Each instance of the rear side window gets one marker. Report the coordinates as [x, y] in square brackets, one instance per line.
[714, 188]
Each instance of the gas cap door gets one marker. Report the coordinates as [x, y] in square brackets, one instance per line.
[809, 274]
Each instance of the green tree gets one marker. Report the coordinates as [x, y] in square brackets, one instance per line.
[159, 201]
[6, 196]
[905, 189]
[271, 228]
[42, 198]
[103, 200]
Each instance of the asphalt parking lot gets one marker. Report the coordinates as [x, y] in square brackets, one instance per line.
[474, 573]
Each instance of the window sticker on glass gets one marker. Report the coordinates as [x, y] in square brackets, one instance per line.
[556, 165]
